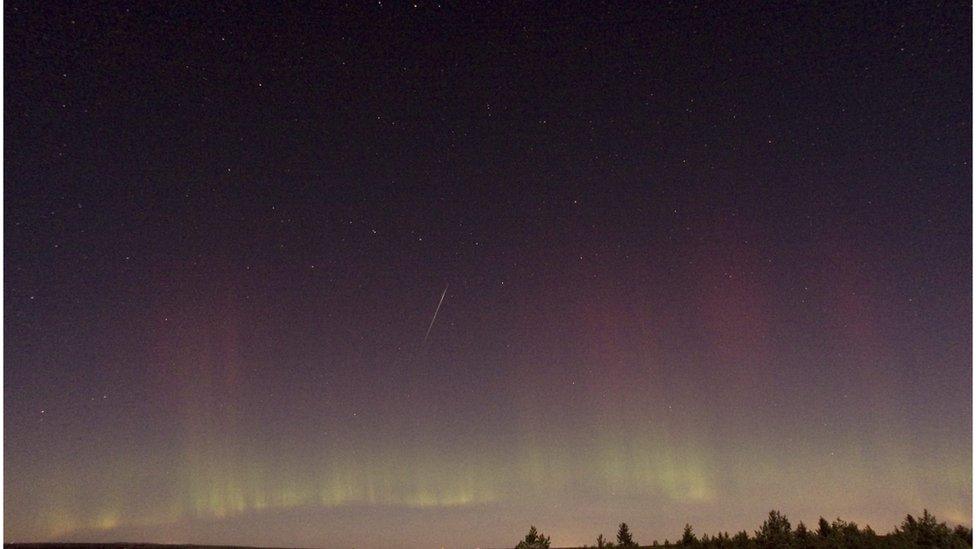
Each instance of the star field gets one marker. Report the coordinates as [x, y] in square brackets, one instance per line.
[701, 260]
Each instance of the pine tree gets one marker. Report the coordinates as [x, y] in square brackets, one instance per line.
[963, 534]
[534, 540]
[741, 539]
[824, 531]
[688, 537]
[775, 531]
[802, 537]
[846, 533]
[624, 538]
[925, 531]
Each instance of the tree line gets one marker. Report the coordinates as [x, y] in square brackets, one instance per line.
[776, 532]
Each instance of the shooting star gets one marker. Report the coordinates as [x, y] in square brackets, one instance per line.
[437, 310]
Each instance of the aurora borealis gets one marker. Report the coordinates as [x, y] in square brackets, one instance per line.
[702, 261]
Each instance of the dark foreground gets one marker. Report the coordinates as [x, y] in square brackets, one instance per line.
[775, 532]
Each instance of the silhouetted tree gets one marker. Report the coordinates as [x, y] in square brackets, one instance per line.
[803, 538]
[604, 543]
[722, 539]
[741, 539]
[824, 531]
[624, 539]
[775, 532]
[534, 540]
[869, 538]
[925, 532]
[963, 534]
[845, 534]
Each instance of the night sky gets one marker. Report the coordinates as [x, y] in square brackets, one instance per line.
[701, 261]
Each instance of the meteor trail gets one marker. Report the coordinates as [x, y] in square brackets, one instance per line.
[435, 314]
